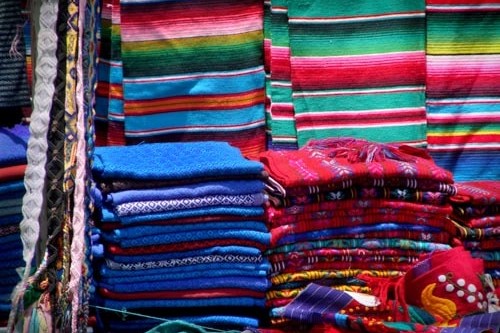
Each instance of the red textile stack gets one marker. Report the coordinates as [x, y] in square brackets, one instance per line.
[476, 216]
[344, 207]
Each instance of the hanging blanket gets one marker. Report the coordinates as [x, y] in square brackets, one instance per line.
[350, 77]
[463, 87]
[193, 71]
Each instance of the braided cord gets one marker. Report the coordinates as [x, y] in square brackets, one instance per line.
[34, 179]
[78, 223]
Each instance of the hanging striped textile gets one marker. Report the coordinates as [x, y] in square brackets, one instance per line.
[463, 87]
[193, 71]
[282, 117]
[109, 93]
[358, 70]
[13, 82]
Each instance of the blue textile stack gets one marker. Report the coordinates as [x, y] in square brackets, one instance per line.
[13, 144]
[182, 234]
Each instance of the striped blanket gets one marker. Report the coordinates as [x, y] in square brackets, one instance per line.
[463, 87]
[346, 74]
[193, 70]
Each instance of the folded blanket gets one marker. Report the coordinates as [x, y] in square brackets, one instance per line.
[110, 216]
[14, 142]
[357, 207]
[185, 246]
[226, 187]
[13, 186]
[141, 231]
[362, 243]
[184, 160]
[187, 303]
[194, 284]
[187, 274]
[477, 193]
[388, 230]
[185, 262]
[404, 194]
[122, 255]
[12, 173]
[160, 206]
[11, 219]
[357, 217]
[111, 269]
[351, 161]
[194, 236]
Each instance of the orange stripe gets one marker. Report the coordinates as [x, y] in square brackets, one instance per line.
[203, 102]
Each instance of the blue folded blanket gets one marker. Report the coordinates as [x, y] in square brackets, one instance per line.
[11, 219]
[159, 206]
[172, 161]
[142, 231]
[229, 187]
[15, 186]
[207, 302]
[194, 236]
[204, 283]
[110, 216]
[183, 262]
[221, 250]
[354, 231]
[14, 142]
[111, 269]
[187, 274]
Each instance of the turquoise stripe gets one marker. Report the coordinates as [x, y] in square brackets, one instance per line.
[194, 86]
[464, 108]
[112, 74]
[189, 119]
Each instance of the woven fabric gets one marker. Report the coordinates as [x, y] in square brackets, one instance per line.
[192, 71]
[344, 162]
[14, 92]
[158, 206]
[147, 161]
[463, 61]
[350, 78]
[14, 143]
[226, 187]
[282, 116]
[195, 236]
[109, 91]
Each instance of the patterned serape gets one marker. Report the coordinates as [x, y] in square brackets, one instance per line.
[193, 71]
[346, 162]
[350, 77]
[109, 92]
[463, 87]
[14, 92]
[405, 194]
[281, 122]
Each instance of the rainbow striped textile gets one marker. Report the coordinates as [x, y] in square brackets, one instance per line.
[463, 87]
[351, 70]
[193, 70]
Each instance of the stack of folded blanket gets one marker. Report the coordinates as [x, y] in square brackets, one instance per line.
[183, 234]
[344, 207]
[13, 143]
[476, 215]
